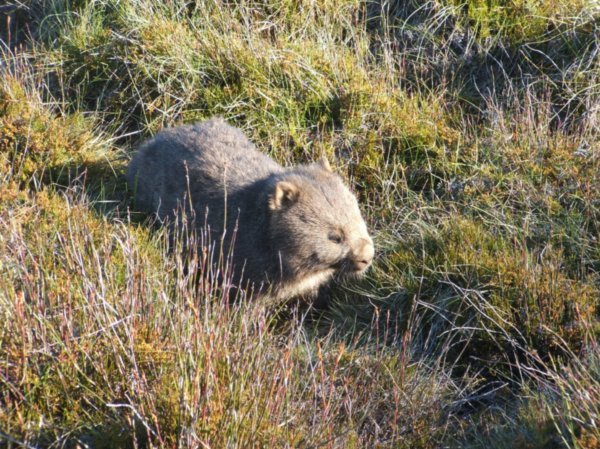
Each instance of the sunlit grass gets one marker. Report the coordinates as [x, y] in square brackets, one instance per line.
[469, 131]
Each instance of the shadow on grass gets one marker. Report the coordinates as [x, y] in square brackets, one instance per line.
[101, 181]
[122, 433]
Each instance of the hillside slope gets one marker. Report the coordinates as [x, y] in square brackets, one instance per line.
[468, 129]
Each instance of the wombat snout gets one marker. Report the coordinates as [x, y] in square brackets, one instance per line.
[363, 255]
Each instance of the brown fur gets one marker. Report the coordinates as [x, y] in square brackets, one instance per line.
[296, 227]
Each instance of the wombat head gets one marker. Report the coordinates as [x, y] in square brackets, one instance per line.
[316, 225]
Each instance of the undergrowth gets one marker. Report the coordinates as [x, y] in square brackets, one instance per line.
[468, 130]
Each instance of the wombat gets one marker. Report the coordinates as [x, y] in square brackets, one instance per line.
[290, 229]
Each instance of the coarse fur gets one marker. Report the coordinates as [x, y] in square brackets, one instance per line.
[292, 229]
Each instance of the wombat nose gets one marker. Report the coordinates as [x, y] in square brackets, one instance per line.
[363, 255]
[360, 265]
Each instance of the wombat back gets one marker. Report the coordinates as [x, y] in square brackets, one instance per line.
[201, 161]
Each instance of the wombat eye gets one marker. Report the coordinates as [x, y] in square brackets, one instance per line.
[335, 237]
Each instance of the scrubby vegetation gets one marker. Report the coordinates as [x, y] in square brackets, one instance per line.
[469, 130]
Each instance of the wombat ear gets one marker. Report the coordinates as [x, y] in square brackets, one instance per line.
[285, 194]
[324, 164]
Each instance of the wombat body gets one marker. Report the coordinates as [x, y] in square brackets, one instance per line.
[290, 229]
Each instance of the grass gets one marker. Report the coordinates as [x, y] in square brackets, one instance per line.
[469, 131]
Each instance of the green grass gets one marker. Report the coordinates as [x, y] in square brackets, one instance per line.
[469, 131]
